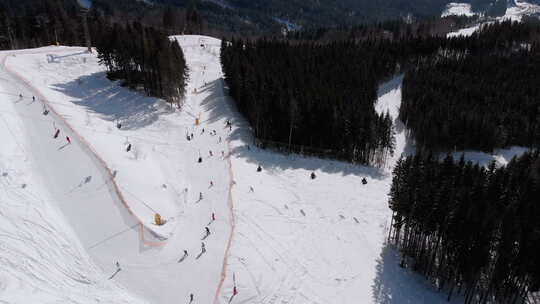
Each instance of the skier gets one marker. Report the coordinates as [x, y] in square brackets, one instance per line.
[251, 189]
[207, 231]
[220, 139]
[213, 217]
[234, 291]
[313, 176]
[118, 266]
[68, 140]
[191, 135]
[202, 131]
[185, 253]
[211, 184]
[188, 137]
[259, 168]
[190, 298]
[33, 98]
[203, 247]
[56, 133]
[20, 96]
[200, 196]
[200, 159]
[210, 152]
[128, 148]
[223, 154]
[364, 181]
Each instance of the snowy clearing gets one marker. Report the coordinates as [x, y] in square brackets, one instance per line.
[465, 32]
[458, 9]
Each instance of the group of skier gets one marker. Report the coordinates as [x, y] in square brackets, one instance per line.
[206, 232]
[57, 133]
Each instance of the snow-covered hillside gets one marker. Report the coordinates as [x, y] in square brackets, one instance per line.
[514, 12]
[278, 236]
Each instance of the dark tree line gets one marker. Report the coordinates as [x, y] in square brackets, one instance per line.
[477, 93]
[296, 98]
[35, 23]
[45, 22]
[143, 57]
[473, 231]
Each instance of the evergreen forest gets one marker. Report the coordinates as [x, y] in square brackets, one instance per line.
[296, 99]
[303, 102]
[477, 93]
[473, 231]
[143, 58]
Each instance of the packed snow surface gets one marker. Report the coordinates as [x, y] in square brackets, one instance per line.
[278, 236]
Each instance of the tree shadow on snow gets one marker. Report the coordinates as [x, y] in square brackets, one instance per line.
[396, 285]
[221, 107]
[112, 102]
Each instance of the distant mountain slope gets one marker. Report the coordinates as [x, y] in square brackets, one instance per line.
[263, 16]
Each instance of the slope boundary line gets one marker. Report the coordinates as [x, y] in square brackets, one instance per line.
[230, 202]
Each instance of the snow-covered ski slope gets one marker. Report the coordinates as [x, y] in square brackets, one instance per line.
[160, 174]
[279, 236]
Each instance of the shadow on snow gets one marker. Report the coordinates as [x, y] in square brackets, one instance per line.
[112, 102]
[396, 285]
